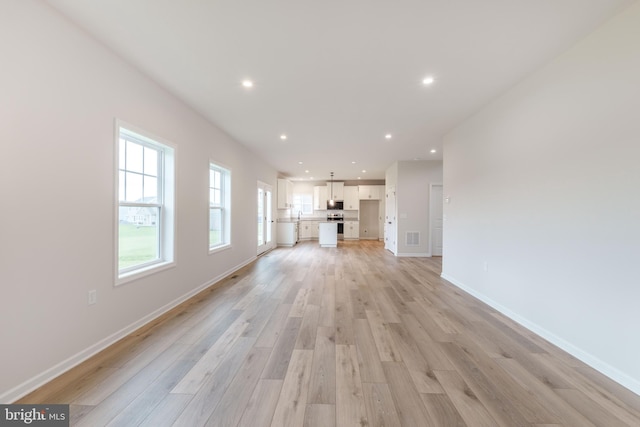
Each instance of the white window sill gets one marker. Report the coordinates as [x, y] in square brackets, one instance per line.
[219, 249]
[143, 272]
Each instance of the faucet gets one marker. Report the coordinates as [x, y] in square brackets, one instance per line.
[299, 214]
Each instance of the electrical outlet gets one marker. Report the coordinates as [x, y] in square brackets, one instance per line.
[93, 296]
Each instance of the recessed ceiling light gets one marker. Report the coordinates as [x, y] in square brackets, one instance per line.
[353, 163]
[388, 136]
[247, 83]
[299, 163]
[364, 171]
[306, 171]
[310, 177]
[433, 150]
[359, 178]
[283, 136]
[428, 80]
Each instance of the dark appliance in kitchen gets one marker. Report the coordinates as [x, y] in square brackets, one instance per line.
[337, 205]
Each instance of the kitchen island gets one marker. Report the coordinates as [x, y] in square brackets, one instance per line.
[328, 234]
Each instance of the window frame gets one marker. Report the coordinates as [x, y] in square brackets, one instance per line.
[224, 206]
[165, 203]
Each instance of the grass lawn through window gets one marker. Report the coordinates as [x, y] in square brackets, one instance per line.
[214, 238]
[137, 245]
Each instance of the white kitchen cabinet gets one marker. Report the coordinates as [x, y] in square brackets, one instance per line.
[309, 230]
[370, 192]
[320, 196]
[351, 230]
[285, 194]
[338, 190]
[351, 198]
[305, 233]
[287, 233]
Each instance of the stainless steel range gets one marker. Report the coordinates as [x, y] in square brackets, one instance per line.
[339, 218]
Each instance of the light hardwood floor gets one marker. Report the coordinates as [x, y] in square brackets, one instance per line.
[337, 337]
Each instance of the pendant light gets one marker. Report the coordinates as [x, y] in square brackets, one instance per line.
[331, 201]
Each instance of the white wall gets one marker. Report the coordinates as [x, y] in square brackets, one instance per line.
[544, 186]
[60, 93]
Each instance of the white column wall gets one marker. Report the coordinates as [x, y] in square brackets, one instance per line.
[544, 187]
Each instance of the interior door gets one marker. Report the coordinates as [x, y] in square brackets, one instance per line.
[264, 220]
[435, 219]
[390, 227]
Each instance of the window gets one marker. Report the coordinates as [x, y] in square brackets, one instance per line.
[145, 203]
[303, 203]
[219, 207]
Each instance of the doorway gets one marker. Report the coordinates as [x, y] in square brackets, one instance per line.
[264, 220]
[369, 220]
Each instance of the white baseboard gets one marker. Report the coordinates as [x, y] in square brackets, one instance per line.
[414, 255]
[41, 379]
[597, 364]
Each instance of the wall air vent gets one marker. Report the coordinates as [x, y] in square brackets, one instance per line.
[413, 238]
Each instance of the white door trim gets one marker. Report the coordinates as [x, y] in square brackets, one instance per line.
[431, 185]
[267, 220]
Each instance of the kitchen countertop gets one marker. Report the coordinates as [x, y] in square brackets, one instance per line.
[321, 219]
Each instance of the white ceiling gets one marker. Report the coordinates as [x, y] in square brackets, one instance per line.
[336, 76]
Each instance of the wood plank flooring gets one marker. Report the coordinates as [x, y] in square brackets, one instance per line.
[344, 336]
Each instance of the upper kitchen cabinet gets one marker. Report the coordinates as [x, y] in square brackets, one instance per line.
[351, 199]
[285, 194]
[320, 196]
[371, 192]
[338, 190]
